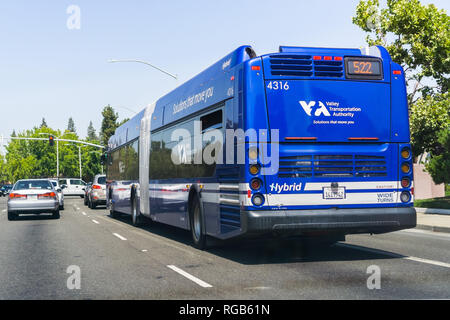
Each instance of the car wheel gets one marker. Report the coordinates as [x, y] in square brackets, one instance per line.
[56, 214]
[93, 205]
[85, 201]
[197, 224]
[61, 207]
[12, 216]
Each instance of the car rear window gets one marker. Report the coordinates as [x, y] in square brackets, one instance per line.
[101, 180]
[77, 182]
[33, 184]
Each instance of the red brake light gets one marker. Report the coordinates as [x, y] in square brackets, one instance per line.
[406, 182]
[47, 195]
[256, 68]
[255, 184]
[338, 58]
[327, 58]
[96, 187]
[17, 196]
[397, 72]
[317, 57]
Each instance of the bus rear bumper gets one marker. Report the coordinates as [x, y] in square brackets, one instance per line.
[336, 221]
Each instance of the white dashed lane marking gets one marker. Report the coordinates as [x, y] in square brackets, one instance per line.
[119, 236]
[201, 283]
[95, 221]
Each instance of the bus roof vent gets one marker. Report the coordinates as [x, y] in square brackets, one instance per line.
[300, 65]
[291, 65]
[328, 68]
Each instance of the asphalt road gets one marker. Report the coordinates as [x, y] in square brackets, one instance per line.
[119, 261]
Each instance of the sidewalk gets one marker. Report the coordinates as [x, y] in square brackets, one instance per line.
[433, 222]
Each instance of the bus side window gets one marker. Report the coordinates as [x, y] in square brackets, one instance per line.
[212, 120]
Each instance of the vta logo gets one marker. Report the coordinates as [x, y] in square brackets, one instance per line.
[313, 108]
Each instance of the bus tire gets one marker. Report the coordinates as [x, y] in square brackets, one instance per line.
[136, 216]
[197, 223]
[112, 213]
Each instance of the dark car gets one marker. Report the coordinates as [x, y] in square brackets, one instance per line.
[4, 191]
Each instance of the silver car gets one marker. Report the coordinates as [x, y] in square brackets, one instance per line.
[97, 192]
[60, 193]
[33, 196]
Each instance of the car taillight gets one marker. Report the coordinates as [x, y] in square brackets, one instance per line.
[17, 196]
[96, 187]
[47, 195]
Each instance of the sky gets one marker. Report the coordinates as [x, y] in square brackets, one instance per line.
[50, 71]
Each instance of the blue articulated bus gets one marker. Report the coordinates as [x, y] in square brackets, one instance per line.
[311, 142]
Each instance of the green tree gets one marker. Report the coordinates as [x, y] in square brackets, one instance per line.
[109, 124]
[91, 134]
[439, 165]
[3, 169]
[428, 116]
[71, 125]
[417, 37]
[43, 123]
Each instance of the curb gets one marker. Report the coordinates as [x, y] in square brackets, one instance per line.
[433, 211]
[433, 228]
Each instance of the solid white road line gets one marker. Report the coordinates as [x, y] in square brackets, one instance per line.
[395, 255]
[436, 263]
[119, 236]
[201, 283]
[95, 221]
[426, 232]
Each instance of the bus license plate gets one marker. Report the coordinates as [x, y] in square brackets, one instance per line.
[334, 193]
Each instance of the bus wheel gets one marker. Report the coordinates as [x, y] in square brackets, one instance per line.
[136, 217]
[197, 223]
[112, 213]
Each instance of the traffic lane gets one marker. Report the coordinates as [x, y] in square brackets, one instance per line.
[271, 269]
[410, 242]
[37, 251]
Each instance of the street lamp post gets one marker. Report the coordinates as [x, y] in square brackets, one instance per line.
[79, 159]
[145, 62]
